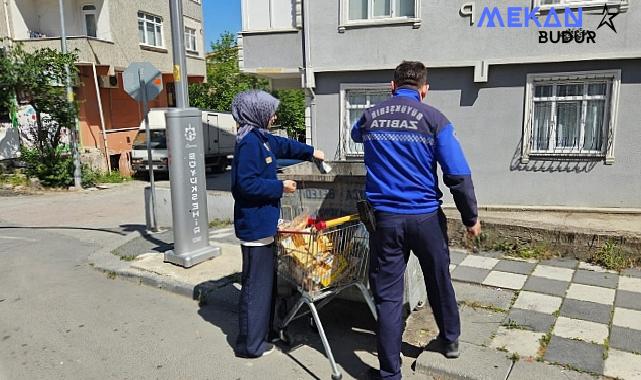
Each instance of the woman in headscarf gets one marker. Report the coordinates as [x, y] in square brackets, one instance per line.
[257, 193]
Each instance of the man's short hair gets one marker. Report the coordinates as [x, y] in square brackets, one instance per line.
[410, 73]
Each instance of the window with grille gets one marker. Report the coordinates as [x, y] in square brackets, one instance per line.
[150, 31]
[571, 114]
[355, 100]
[190, 40]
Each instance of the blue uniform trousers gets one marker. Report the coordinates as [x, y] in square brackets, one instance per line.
[255, 306]
[396, 235]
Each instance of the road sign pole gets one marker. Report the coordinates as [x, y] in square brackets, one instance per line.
[187, 180]
[150, 161]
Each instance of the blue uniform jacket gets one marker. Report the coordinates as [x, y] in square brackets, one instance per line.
[255, 188]
[403, 140]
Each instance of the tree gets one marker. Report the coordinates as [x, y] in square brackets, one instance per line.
[38, 79]
[291, 112]
[224, 81]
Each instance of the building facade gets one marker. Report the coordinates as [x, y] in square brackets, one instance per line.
[108, 35]
[545, 94]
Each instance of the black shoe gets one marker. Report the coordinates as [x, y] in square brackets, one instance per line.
[450, 350]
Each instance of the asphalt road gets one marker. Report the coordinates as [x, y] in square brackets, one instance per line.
[61, 319]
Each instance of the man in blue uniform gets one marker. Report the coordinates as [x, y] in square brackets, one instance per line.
[403, 140]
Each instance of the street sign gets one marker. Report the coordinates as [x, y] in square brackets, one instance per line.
[139, 75]
[143, 82]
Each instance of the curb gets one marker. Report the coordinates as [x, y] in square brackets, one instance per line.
[106, 262]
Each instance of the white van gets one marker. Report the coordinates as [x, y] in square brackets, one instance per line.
[219, 135]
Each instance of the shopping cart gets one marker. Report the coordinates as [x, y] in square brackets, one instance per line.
[321, 261]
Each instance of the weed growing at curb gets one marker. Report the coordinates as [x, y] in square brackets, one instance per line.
[220, 223]
[112, 275]
[611, 256]
[524, 250]
[477, 305]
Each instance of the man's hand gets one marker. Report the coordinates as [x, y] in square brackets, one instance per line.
[289, 186]
[475, 230]
[319, 155]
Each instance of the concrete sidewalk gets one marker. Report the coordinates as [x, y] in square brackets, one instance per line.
[520, 318]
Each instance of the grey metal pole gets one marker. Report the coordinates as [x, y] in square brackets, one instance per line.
[178, 49]
[150, 162]
[70, 98]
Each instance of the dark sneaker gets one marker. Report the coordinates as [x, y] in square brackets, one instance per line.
[450, 350]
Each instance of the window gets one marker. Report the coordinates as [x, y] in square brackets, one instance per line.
[580, 3]
[150, 30]
[89, 15]
[354, 100]
[264, 15]
[372, 9]
[571, 114]
[190, 40]
[355, 13]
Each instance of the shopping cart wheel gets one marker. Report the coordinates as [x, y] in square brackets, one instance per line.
[337, 377]
[285, 338]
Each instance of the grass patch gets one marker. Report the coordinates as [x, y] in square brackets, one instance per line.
[14, 180]
[111, 275]
[611, 256]
[524, 250]
[128, 258]
[219, 223]
[515, 357]
[544, 341]
[477, 305]
[91, 178]
[557, 313]
[513, 325]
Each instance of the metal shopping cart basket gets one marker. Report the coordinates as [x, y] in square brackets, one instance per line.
[321, 260]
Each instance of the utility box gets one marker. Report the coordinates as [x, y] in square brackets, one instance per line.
[333, 195]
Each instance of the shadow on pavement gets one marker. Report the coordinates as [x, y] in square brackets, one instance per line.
[146, 242]
[349, 327]
[115, 231]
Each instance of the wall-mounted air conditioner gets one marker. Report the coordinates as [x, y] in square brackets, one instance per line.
[108, 81]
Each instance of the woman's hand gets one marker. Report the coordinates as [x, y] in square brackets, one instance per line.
[319, 155]
[289, 186]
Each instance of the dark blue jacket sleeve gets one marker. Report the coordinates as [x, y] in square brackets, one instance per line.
[250, 166]
[456, 173]
[357, 130]
[290, 149]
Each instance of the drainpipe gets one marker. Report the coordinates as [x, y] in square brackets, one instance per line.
[308, 74]
[5, 3]
[102, 117]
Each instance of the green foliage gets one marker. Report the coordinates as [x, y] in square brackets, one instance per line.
[525, 250]
[91, 178]
[611, 256]
[38, 78]
[224, 79]
[14, 180]
[53, 168]
[291, 112]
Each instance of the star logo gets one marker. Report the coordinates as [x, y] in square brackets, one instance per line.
[608, 18]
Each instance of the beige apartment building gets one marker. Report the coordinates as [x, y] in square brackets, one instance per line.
[109, 35]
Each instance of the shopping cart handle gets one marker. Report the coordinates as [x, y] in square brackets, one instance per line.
[320, 224]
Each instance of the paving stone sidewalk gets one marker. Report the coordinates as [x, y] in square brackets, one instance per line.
[559, 311]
